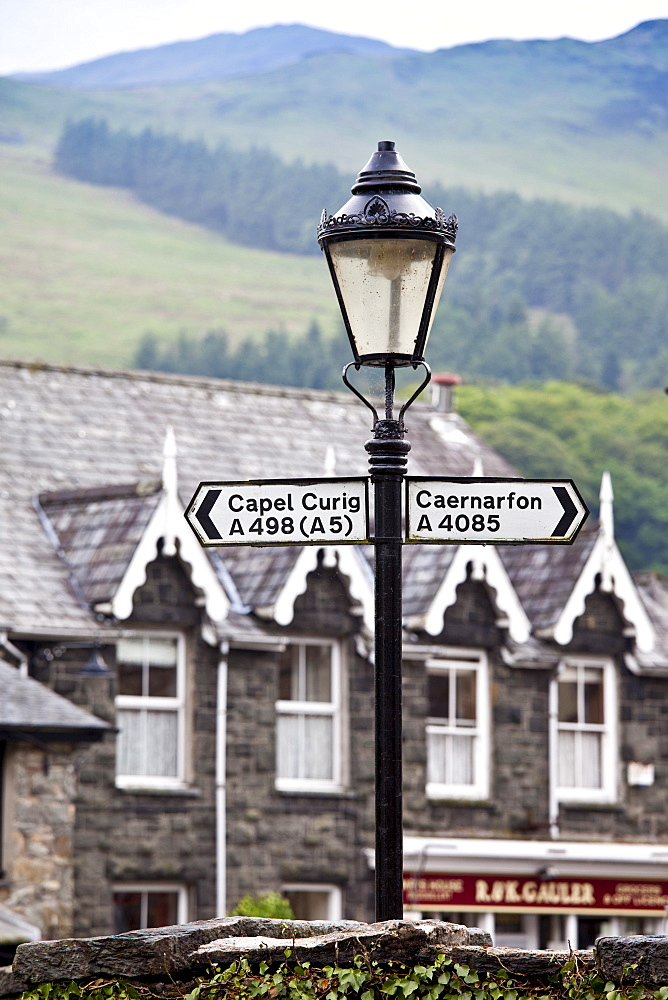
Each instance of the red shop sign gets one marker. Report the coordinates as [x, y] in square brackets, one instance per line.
[510, 892]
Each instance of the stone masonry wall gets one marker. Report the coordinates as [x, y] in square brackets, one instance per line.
[38, 877]
[123, 836]
[518, 803]
[641, 812]
[169, 960]
[276, 837]
[152, 836]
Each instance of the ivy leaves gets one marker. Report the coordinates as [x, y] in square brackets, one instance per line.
[365, 979]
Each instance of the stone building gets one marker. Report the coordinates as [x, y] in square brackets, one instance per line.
[181, 726]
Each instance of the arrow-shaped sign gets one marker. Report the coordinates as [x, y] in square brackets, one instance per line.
[203, 515]
[281, 512]
[569, 515]
[496, 511]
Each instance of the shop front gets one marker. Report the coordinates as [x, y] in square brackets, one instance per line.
[539, 894]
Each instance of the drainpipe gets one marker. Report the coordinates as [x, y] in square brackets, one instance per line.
[553, 756]
[221, 769]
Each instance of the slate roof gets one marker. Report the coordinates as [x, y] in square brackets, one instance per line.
[97, 531]
[653, 590]
[73, 439]
[27, 706]
[74, 430]
[424, 567]
[259, 573]
[543, 575]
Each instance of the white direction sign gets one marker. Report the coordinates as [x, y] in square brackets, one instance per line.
[497, 511]
[280, 512]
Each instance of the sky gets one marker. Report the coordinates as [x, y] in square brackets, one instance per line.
[52, 34]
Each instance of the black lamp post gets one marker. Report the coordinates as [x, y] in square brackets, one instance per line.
[388, 253]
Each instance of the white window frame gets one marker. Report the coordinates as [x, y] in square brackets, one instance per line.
[478, 790]
[334, 896]
[175, 705]
[182, 901]
[607, 793]
[333, 708]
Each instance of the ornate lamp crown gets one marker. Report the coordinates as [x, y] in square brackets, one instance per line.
[394, 190]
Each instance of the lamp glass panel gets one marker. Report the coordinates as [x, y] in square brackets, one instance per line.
[384, 285]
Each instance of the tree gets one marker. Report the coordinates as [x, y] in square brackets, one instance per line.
[271, 905]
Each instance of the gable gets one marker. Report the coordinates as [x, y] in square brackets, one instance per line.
[348, 561]
[605, 568]
[482, 564]
[96, 532]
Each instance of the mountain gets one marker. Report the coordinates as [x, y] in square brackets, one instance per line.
[217, 57]
[581, 122]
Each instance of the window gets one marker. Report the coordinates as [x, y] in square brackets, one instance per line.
[458, 727]
[150, 712]
[314, 902]
[586, 713]
[141, 905]
[308, 724]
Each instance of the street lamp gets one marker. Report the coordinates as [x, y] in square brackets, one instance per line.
[388, 253]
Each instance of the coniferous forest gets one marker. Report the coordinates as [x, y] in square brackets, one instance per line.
[539, 289]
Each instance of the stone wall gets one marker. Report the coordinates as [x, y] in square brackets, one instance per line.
[518, 800]
[277, 837]
[171, 958]
[38, 884]
[150, 836]
[122, 836]
[518, 803]
[174, 956]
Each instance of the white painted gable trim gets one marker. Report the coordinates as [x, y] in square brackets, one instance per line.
[606, 560]
[350, 564]
[487, 567]
[168, 522]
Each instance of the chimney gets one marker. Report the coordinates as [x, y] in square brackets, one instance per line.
[441, 391]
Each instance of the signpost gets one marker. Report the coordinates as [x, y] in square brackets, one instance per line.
[281, 512]
[496, 511]
[388, 252]
[452, 511]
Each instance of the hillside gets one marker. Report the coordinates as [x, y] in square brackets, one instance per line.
[585, 123]
[86, 272]
[582, 122]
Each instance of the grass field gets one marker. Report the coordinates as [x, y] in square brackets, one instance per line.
[86, 271]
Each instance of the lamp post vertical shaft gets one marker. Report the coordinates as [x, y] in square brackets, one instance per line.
[387, 465]
[388, 253]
